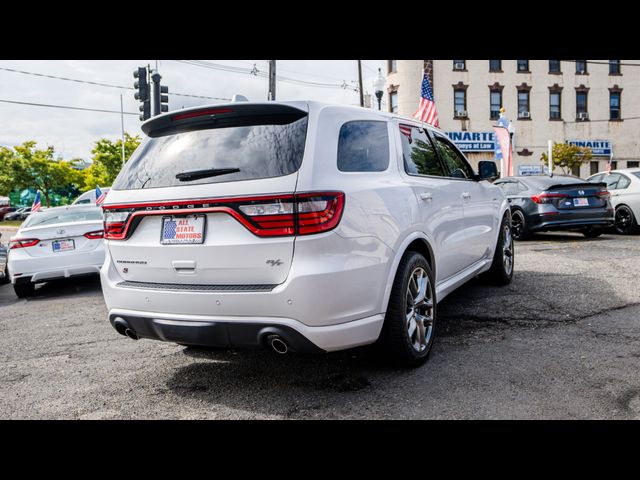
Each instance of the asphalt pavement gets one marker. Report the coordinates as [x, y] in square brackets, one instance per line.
[562, 341]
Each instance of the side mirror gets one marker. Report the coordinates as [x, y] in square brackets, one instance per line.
[488, 170]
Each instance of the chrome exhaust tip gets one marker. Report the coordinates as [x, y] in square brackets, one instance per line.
[131, 334]
[278, 344]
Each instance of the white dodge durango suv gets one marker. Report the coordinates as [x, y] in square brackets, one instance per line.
[297, 226]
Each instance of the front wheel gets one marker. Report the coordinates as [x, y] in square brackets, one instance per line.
[409, 325]
[625, 221]
[5, 279]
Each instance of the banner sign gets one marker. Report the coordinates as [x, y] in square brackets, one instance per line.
[599, 148]
[532, 169]
[473, 141]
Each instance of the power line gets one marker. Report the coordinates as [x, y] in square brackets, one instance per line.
[100, 84]
[67, 107]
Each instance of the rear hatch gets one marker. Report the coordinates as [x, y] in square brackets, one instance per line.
[577, 196]
[208, 198]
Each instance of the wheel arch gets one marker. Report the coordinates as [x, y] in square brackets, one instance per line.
[416, 242]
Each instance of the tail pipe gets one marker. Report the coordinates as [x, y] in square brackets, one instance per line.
[123, 328]
[278, 344]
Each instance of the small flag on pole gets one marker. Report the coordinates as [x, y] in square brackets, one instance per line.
[406, 131]
[427, 108]
[99, 196]
[609, 163]
[504, 140]
[36, 203]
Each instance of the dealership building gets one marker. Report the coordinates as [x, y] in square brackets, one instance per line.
[594, 103]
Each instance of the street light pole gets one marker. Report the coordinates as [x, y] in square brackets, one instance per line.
[272, 80]
[360, 83]
[378, 87]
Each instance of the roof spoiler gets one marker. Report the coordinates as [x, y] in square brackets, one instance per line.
[220, 116]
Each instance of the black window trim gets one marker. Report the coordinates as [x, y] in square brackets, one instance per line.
[431, 141]
[365, 171]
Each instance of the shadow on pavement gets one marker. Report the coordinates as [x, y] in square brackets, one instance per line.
[78, 286]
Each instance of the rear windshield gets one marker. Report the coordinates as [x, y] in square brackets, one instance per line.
[257, 151]
[67, 215]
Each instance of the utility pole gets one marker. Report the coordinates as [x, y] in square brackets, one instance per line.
[272, 80]
[122, 126]
[360, 83]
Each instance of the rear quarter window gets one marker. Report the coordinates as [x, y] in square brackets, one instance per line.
[363, 146]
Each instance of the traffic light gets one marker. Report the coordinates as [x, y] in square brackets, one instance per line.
[164, 99]
[143, 92]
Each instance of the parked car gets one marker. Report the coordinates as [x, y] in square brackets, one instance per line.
[4, 273]
[624, 186]
[19, 214]
[297, 226]
[560, 202]
[89, 196]
[6, 210]
[59, 242]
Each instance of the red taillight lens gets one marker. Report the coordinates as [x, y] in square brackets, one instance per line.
[319, 212]
[95, 235]
[200, 113]
[547, 197]
[604, 194]
[23, 242]
[115, 224]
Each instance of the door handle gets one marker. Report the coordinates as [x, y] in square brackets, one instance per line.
[466, 195]
[426, 196]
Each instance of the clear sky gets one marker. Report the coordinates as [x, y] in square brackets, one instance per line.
[73, 132]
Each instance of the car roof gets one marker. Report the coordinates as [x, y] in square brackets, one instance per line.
[619, 170]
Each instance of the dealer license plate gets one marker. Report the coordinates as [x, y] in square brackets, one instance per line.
[581, 202]
[63, 245]
[180, 230]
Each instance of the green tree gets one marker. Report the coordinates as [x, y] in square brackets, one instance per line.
[107, 160]
[37, 168]
[567, 156]
[6, 171]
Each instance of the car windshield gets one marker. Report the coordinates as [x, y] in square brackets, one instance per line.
[65, 215]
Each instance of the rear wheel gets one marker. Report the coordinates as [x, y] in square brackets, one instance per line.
[24, 290]
[501, 271]
[519, 228]
[409, 326]
[5, 279]
[625, 221]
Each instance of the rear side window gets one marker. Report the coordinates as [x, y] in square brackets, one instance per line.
[51, 217]
[596, 179]
[455, 163]
[272, 148]
[363, 146]
[420, 157]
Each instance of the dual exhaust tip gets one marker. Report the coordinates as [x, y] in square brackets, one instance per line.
[123, 328]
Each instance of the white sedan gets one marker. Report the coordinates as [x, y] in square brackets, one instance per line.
[624, 186]
[59, 242]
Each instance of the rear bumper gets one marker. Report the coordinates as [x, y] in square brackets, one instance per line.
[571, 221]
[243, 332]
[48, 268]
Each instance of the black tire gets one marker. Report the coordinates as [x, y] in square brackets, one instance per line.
[625, 221]
[519, 226]
[5, 279]
[501, 271]
[592, 232]
[24, 290]
[396, 343]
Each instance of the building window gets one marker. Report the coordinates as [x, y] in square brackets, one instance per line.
[392, 66]
[459, 65]
[523, 66]
[582, 111]
[495, 102]
[581, 67]
[614, 67]
[460, 103]
[575, 170]
[393, 102]
[633, 164]
[614, 105]
[523, 105]
[614, 165]
[555, 112]
[554, 66]
[495, 65]
[593, 167]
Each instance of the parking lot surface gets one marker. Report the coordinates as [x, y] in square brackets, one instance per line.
[562, 341]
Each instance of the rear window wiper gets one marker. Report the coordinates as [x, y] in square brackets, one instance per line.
[209, 172]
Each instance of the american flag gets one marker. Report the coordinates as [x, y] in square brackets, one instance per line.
[36, 203]
[99, 196]
[609, 164]
[427, 108]
[406, 131]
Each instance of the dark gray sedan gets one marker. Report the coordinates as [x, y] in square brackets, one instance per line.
[561, 202]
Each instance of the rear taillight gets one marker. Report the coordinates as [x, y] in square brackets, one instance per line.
[95, 235]
[547, 197]
[115, 224]
[23, 242]
[604, 194]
